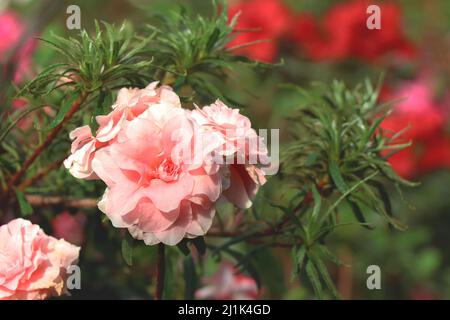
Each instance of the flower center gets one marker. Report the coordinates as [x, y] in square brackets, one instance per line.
[169, 171]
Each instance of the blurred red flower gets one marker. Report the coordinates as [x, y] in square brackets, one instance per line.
[69, 227]
[430, 148]
[260, 20]
[343, 33]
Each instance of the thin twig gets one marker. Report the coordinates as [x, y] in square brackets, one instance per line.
[52, 135]
[40, 201]
[40, 175]
[160, 272]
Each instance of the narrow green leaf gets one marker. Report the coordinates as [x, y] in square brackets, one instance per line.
[390, 173]
[127, 250]
[62, 112]
[327, 254]
[349, 191]
[357, 212]
[184, 247]
[190, 278]
[313, 277]
[335, 174]
[317, 201]
[25, 208]
[245, 264]
[298, 258]
[199, 243]
[326, 276]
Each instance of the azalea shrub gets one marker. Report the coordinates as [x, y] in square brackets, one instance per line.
[241, 149]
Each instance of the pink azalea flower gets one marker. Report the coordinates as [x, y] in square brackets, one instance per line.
[83, 147]
[151, 190]
[32, 264]
[69, 227]
[155, 159]
[130, 104]
[240, 141]
[228, 284]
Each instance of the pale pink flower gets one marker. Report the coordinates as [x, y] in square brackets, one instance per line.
[152, 190]
[228, 284]
[240, 142]
[83, 148]
[69, 227]
[130, 104]
[32, 264]
[153, 157]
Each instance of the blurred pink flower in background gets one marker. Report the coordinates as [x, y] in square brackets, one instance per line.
[69, 227]
[426, 120]
[11, 31]
[32, 265]
[228, 284]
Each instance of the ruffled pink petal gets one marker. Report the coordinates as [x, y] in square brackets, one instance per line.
[167, 196]
[176, 232]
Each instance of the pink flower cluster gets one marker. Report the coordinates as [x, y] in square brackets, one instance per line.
[32, 264]
[228, 284]
[158, 163]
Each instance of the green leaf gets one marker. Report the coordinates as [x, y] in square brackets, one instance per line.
[357, 212]
[190, 278]
[199, 243]
[25, 208]
[349, 191]
[330, 256]
[183, 246]
[245, 264]
[390, 173]
[335, 174]
[244, 236]
[325, 275]
[313, 277]
[317, 202]
[127, 250]
[298, 258]
[62, 112]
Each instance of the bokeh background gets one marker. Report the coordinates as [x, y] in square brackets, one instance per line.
[311, 40]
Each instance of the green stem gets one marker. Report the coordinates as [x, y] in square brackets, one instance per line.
[160, 272]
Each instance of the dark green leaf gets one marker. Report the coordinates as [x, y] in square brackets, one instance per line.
[313, 277]
[190, 278]
[199, 243]
[25, 208]
[127, 249]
